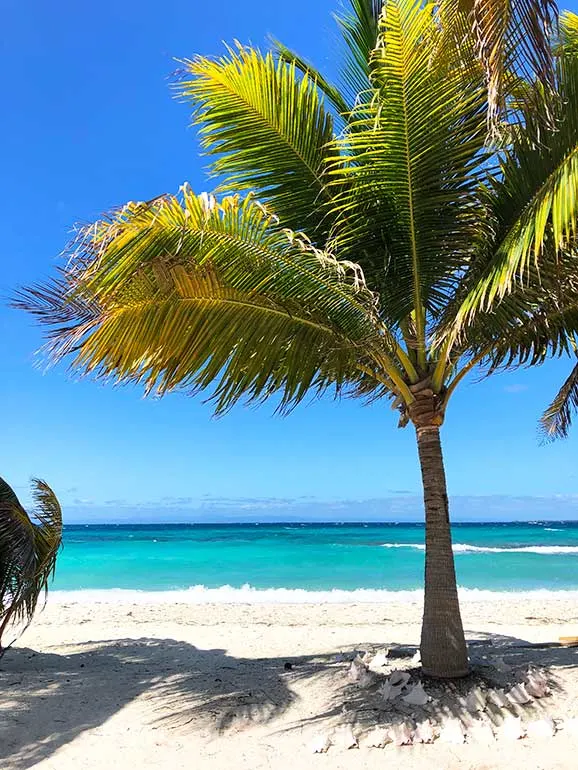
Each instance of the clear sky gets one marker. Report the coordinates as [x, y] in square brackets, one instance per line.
[89, 122]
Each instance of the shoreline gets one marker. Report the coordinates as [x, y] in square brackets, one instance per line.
[249, 595]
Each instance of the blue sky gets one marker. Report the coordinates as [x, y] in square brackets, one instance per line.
[90, 123]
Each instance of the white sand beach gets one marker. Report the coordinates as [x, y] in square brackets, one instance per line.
[120, 685]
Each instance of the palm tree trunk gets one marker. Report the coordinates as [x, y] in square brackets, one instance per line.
[443, 646]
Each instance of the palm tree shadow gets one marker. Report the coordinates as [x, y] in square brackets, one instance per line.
[49, 699]
[499, 663]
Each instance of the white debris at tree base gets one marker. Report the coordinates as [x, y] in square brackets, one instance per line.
[401, 734]
[398, 677]
[379, 660]
[389, 692]
[480, 732]
[512, 728]
[417, 696]
[321, 743]
[476, 700]
[518, 695]
[424, 732]
[344, 738]
[498, 698]
[376, 738]
[537, 684]
[356, 670]
[541, 728]
[452, 731]
[502, 705]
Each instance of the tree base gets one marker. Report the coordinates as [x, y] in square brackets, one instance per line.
[459, 674]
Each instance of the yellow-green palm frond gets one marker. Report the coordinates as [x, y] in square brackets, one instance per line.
[28, 551]
[531, 205]
[557, 419]
[568, 34]
[265, 127]
[529, 326]
[513, 41]
[526, 330]
[333, 95]
[359, 25]
[407, 177]
[191, 293]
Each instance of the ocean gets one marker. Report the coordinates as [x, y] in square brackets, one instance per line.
[308, 562]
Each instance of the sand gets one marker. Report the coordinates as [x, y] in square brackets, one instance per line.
[119, 685]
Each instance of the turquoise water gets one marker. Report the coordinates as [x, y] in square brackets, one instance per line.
[254, 559]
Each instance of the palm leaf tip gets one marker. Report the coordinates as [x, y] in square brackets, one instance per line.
[557, 419]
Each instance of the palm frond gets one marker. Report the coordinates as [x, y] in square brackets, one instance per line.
[359, 28]
[525, 333]
[531, 205]
[28, 551]
[264, 125]
[332, 94]
[568, 34]
[199, 295]
[407, 178]
[513, 40]
[557, 419]
[48, 530]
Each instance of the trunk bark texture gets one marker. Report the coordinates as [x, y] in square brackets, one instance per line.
[443, 647]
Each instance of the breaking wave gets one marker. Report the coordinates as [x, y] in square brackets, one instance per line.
[248, 594]
[465, 548]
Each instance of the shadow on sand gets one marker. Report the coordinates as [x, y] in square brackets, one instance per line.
[47, 700]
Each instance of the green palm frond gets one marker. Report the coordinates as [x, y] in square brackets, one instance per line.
[265, 127]
[199, 295]
[331, 92]
[28, 551]
[407, 178]
[359, 28]
[523, 335]
[48, 529]
[513, 41]
[531, 205]
[568, 35]
[557, 419]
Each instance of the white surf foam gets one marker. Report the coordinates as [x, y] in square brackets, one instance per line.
[466, 548]
[247, 594]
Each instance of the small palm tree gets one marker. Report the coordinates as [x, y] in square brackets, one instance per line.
[385, 252]
[28, 550]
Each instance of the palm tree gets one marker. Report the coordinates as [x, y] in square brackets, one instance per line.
[28, 550]
[426, 254]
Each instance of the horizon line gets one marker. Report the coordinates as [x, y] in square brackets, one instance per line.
[255, 522]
